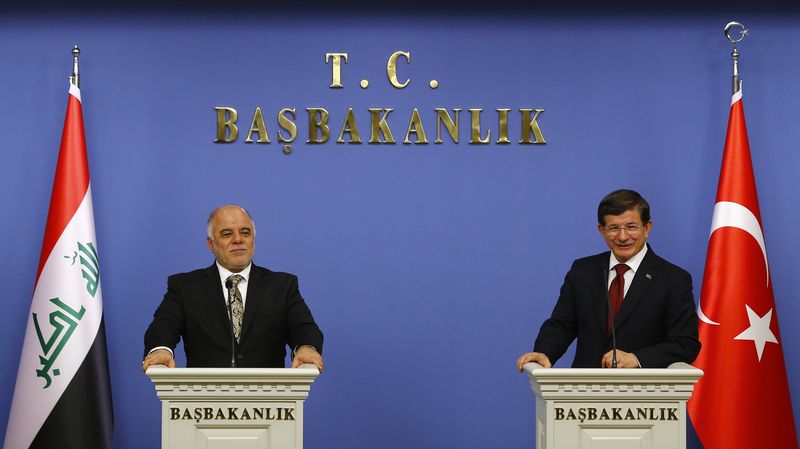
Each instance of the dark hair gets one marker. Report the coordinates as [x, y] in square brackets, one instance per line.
[620, 201]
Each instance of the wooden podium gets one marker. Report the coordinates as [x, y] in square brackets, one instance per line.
[232, 408]
[611, 408]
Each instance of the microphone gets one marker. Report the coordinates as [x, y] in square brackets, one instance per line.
[610, 320]
[229, 286]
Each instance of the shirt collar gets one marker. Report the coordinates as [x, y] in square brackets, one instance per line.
[224, 273]
[633, 262]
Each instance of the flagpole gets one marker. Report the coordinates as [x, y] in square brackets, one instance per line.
[75, 77]
[737, 83]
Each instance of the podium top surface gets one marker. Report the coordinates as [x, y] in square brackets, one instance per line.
[303, 374]
[677, 372]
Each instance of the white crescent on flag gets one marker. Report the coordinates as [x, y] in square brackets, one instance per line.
[728, 214]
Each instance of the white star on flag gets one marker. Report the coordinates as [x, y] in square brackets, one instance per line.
[759, 331]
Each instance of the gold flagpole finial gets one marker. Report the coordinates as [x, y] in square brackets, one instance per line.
[75, 77]
[737, 83]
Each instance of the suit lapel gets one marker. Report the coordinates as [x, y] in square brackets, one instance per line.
[215, 296]
[642, 281]
[256, 291]
[600, 292]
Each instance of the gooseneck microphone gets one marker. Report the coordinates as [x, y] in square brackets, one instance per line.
[610, 320]
[229, 286]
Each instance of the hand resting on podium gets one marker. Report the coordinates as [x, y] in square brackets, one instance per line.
[624, 360]
[307, 354]
[158, 357]
[537, 357]
[303, 355]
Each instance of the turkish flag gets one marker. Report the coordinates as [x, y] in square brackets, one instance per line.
[743, 400]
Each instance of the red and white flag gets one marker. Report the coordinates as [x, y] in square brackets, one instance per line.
[743, 400]
[62, 397]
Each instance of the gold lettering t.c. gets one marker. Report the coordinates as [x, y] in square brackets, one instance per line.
[336, 82]
[391, 68]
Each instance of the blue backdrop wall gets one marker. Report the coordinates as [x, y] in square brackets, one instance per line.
[429, 267]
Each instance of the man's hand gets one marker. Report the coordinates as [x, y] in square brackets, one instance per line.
[537, 357]
[307, 354]
[624, 360]
[158, 357]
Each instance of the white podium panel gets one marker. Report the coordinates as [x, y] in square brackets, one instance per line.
[232, 408]
[611, 408]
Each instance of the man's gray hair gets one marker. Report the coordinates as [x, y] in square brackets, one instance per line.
[214, 213]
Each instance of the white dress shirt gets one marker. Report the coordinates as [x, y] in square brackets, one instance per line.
[633, 263]
[224, 273]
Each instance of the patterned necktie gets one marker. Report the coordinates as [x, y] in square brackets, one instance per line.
[617, 290]
[237, 306]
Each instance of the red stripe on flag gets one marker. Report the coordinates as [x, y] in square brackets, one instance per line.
[71, 180]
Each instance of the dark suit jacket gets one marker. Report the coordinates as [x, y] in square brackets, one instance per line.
[275, 316]
[657, 320]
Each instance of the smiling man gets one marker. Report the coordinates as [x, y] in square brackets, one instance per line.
[233, 312]
[650, 299]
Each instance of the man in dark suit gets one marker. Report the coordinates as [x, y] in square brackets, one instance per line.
[267, 309]
[654, 320]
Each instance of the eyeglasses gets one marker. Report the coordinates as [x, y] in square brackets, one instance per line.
[631, 229]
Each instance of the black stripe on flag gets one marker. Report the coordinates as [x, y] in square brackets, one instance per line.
[83, 417]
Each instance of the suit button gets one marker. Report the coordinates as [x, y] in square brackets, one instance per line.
[239, 356]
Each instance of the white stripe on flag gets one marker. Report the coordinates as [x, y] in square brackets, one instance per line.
[75, 91]
[736, 97]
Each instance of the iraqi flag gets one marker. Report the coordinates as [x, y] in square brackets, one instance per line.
[743, 400]
[62, 398]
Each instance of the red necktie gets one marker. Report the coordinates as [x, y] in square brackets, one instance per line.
[617, 290]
